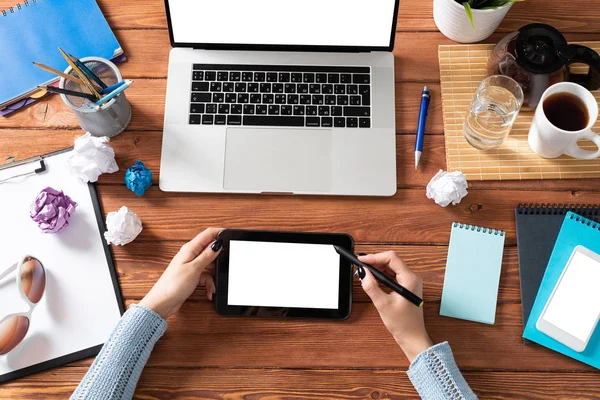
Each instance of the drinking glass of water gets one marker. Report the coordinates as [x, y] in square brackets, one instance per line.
[492, 112]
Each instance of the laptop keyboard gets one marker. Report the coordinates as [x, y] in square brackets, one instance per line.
[292, 96]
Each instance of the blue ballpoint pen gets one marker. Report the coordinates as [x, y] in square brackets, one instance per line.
[421, 128]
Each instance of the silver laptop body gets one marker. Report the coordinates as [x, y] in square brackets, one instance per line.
[251, 110]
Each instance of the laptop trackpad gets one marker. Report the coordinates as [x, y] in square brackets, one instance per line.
[278, 160]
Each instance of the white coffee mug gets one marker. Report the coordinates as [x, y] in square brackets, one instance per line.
[548, 141]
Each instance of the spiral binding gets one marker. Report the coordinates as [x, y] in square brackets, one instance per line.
[11, 10]
[475, 228]
[591, 210]
[584, 221]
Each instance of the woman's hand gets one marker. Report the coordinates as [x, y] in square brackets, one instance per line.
[184, 273]
[403, 319]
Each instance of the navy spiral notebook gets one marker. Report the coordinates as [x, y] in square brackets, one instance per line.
[537, 230]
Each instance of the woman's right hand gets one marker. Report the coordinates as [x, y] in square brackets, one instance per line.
[402, 318]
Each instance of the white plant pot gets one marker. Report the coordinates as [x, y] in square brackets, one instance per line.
[452, 20]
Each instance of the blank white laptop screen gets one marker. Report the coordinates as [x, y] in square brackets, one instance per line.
[360, 23]
[296, 275]
[575, 305]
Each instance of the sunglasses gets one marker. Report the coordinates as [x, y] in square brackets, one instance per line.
[31, 281]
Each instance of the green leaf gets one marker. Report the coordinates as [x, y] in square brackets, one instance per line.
[469, 11]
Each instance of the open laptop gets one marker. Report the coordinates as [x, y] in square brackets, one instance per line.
[280, 96]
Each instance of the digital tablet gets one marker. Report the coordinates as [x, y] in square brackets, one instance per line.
[283, 274]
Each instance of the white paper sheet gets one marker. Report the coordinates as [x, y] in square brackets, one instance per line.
[79, 308]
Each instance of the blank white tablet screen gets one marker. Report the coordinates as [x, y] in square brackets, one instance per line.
[575, 305]
[283, 22]
[283, 275]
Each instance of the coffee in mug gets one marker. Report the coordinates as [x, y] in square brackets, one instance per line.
[566, 114]
[566, 111]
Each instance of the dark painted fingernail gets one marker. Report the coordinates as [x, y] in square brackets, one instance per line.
[361, 272]
[361, 254]
[216, 246]
[212, 298]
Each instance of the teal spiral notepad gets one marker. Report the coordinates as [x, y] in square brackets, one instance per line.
[576, 230]
[472, 273]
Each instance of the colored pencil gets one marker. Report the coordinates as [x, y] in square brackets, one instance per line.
[114, 93]
[88, 71]
[57, 72]
[79, 73]
[69, 92]
[112, 87]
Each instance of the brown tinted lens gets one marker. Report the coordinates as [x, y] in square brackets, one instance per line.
[12, 332]
[33, 279]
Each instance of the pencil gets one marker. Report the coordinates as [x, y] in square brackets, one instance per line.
[69, 92]
[79, 73]
[61, 74]
[88, 71]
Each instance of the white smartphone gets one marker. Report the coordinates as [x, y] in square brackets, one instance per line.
[573, 309]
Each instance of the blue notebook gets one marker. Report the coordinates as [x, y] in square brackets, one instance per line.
[34, 30]
[576, 230]
[472, 273]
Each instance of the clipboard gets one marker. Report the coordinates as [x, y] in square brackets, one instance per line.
[14, 173]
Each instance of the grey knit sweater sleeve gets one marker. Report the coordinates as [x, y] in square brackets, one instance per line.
[117, 368]
[435, 375]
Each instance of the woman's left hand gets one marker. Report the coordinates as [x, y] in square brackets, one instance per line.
[183, 274]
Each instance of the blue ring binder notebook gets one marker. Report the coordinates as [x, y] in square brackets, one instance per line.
[576, 230]
[33, 30]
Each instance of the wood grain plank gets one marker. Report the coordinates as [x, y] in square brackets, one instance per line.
[417, 15]
[146, 146]
[276, 384]
[147, 98]
[408, 217]
[414, 15]
[416, 54]
[416, 65]
[140, 264]
[198, 337]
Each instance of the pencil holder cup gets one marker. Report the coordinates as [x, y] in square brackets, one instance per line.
[109, 119]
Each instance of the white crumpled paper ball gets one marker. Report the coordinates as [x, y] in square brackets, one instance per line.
[122, 226]
[447, 187]
[92, 157]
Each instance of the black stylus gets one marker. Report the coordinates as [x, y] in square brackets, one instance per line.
[381, 277]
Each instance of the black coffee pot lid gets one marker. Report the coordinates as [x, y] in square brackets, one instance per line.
[541, 49]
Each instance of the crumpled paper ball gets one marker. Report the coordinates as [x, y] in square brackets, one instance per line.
[447, 187]
[138, 178]
[92, 157]
[122, 226]
[51, 210]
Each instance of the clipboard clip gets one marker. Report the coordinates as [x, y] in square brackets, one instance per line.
[14, 168]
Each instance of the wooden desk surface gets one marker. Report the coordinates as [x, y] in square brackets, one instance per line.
[206, 356]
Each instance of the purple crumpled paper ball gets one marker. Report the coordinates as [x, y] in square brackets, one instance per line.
[51, 210]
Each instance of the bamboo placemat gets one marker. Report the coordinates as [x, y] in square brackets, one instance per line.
[462, 68]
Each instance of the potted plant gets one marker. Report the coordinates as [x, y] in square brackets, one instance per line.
[469, 21]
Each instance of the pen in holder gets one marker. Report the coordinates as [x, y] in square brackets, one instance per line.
[108, 119]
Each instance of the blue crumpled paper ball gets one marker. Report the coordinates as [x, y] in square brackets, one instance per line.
[138, 178]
